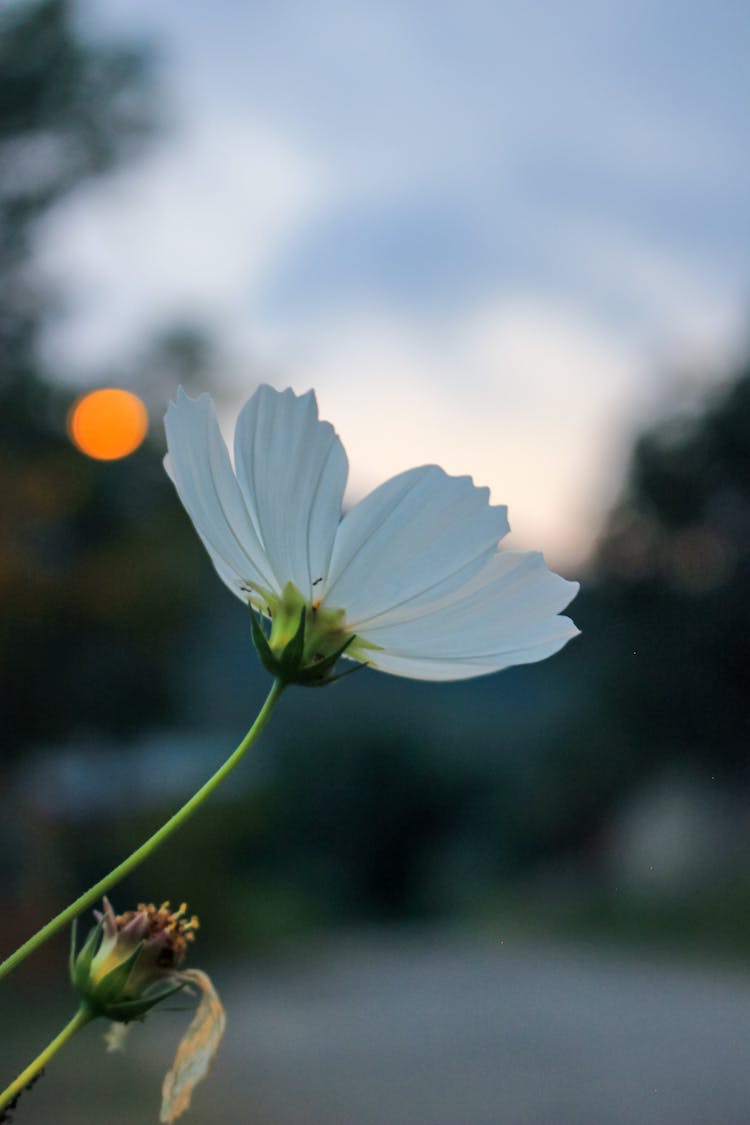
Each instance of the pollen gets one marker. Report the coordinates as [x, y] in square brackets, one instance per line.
[174, 928]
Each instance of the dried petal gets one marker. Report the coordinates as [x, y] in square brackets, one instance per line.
[196, 1051]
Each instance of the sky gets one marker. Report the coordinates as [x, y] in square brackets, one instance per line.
[499, 236]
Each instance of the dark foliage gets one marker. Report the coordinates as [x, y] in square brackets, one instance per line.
[675, 571]
[93, 580]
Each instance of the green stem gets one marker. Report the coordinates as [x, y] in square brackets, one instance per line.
[94, 893]
[80, 1019]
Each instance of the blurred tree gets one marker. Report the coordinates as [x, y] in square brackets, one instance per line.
[674, 568]
[659, 680]
[97, 564]
[359, 820]
[68, 110]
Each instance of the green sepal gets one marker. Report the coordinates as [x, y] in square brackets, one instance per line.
[114, 983]
[291, 657]
[261, 643]
[340, 675]
[80, 965]
[289, 666]
[316, 675]
[123, 1011]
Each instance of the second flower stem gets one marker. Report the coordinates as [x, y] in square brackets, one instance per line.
[80, 1019]
[144, 851]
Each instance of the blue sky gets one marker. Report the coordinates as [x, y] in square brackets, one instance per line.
[493, 235]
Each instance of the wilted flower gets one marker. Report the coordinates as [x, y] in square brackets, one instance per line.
[409, 581]
[131, 961]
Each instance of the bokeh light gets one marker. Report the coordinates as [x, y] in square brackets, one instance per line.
[108, 423]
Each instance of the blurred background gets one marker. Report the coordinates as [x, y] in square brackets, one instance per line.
[508, 238]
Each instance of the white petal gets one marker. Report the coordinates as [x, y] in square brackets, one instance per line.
[292, 469]
[424, 668]
[198, 463]
[509, 605]
[418, 530]
[441, 594]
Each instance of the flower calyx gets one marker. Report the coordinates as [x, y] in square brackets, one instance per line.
[305, 641]
[130, 962]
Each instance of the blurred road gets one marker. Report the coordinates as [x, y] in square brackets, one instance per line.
[443, 1030]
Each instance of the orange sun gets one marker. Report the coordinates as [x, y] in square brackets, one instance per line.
[108, 424]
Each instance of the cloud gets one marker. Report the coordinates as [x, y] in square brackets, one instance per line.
[188, 232]
[525, 394]
[481, 234]
[679, 305]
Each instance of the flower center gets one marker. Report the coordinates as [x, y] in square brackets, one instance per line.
[324, 633]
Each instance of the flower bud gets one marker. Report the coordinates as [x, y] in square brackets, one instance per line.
[131, 961]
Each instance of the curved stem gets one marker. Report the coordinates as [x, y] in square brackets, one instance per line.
[117, 873]
[80, 1019]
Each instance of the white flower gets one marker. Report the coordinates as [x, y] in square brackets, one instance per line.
[410, 579]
